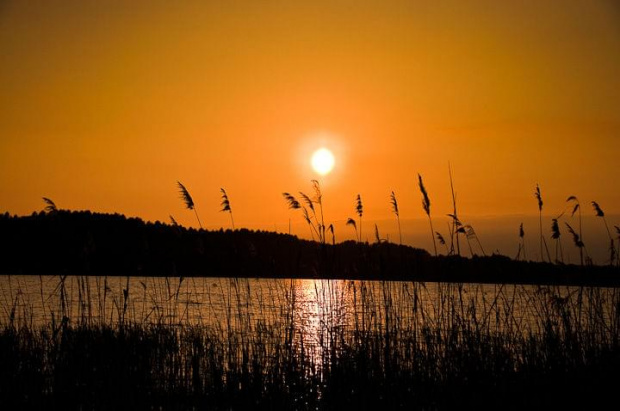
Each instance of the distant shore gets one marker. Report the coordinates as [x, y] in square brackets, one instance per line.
[86, 243]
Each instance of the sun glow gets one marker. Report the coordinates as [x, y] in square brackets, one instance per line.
[322, 161]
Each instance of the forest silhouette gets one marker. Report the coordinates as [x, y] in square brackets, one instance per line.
[62, 242]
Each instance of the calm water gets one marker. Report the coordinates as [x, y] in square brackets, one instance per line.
[314, 308]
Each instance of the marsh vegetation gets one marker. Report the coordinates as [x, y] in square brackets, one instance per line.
[205, 343]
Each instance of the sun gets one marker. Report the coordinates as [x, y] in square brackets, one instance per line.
[322, 161]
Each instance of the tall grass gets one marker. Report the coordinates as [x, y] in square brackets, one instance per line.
[188, 200]
[556, 235]
[394, 204]
[225, 204]
[426, 205]
[521, 244]
[454, 214]
[359, 210]
[538, 196]
[353, 224]
[316, 226]
[235, 343]
[577, 208]
[612, 248]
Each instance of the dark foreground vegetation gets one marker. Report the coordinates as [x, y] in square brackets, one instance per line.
[397, 351]
[85, 243]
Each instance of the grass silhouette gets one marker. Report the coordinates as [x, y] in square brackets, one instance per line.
[407, 344]
[426, 205]
[188, 201]
[225, 204]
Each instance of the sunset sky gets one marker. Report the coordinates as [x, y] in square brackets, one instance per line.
[104, 105]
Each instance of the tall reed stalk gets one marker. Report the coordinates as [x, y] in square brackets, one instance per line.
[577, 207]
[318, 198]
[188, 201]
[578, 242]
[538, 196]
[521, 244]
[359, 210]
[556, 235]
[454, 213]
[353, 224]
[612, 248]
[225, 204]
[394, 204]
[426, 205]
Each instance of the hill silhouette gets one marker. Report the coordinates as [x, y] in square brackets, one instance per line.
[85, 243]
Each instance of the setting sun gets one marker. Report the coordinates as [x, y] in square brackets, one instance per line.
[322, 161]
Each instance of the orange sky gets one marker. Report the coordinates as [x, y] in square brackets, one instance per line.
[105, 105]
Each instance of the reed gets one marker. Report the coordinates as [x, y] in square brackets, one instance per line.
[359, 210]
[470, 235]
[294, 204]
[454, 214]
[442, 241]
[50, 205]
[521, 250]
[538, 196]
[612, 248]
[318, 198]
[225, 204]
[353, 224]
[378, 239]
[188, 201]
[426, 205]
[556, 235]
[394, 205]
[578, 243]
[321, 345]
[316, 226]
[577, 208]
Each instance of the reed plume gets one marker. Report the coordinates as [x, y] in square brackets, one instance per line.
[318, 195]
[308, 201]
[312, 220]
[577, 207]
[352, 223]
[426, 205]
[306, 216]
[555, 234]
[51, 206]
[538, 196]
[331, 230]
[293, 204]
[521, 243]
[226, 206]
[394, 204]
[377, 237]
[442, 241]
[455, 230]
[310, 204]
[176, 225]
[454, 214]
[612, 248]
[470, 234]
[187, 199]
[578, 242]
[359, 210]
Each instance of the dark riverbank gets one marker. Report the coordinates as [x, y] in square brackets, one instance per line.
[85, 243]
